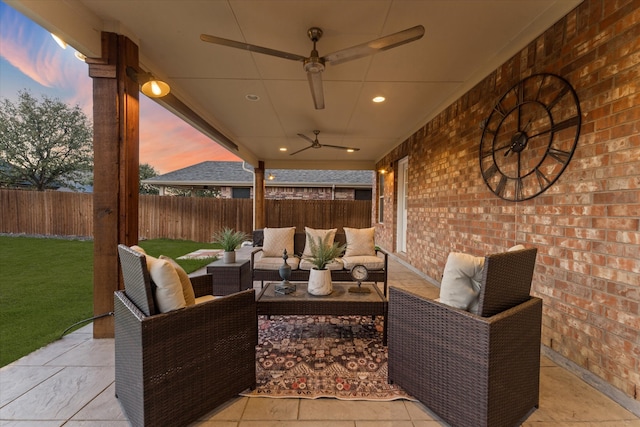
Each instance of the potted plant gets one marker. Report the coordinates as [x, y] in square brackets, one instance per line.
[322, 254]
[229, 240]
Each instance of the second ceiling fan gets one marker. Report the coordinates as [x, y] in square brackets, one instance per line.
[316, 144]
[314, 64]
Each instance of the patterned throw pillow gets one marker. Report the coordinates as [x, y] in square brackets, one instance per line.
[276, 240]
[360, 241]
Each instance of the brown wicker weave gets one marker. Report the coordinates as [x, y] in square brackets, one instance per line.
[174, 367]
[470, 370]
[298, 275]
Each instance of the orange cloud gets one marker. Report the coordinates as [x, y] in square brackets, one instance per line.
[32, 51]
[167, 143]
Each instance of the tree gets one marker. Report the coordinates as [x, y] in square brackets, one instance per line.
[44, 143]
[147, 171]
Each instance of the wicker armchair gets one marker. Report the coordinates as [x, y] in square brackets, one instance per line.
[172, 368]
[472, 370]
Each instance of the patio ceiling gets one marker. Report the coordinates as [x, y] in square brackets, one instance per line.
[464, 41]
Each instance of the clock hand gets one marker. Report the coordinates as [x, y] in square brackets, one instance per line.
[541, 133]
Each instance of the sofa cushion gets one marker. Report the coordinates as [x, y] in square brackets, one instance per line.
[360, 241]
[315, 234]
[372, 262]
[336, 264]
[168, 293]
[204, 298]
[461, 281]
[261, 262]
[187, 287]
[276, 240]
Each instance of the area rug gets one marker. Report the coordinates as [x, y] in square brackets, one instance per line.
[322, 356]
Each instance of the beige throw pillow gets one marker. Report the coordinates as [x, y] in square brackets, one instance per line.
[276, 240]
[187, 287]
[461, 281]
[168, 293]
[360, 241]
[139, 249]
[322, 234]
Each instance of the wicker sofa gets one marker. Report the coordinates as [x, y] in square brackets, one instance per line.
[173, 367]
[299, 274]
[470, 369]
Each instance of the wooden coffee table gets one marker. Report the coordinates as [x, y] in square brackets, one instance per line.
[340, 302]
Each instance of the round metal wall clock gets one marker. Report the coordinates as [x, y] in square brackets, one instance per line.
[530, 137]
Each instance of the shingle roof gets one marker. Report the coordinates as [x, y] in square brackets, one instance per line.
[232, 174]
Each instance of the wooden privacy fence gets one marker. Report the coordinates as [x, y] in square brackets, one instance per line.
[318, 213]
[50, 213]
[192, 218]
[54, 213]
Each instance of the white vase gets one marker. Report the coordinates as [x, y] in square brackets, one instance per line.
[319, 282]
[229, 257]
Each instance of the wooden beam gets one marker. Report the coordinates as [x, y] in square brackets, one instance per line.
[116, 169]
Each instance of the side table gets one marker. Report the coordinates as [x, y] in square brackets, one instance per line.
[230, 278]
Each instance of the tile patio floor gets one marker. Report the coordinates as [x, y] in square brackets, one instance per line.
[71, 383]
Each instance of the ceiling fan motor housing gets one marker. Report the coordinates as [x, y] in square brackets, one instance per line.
[314, 64]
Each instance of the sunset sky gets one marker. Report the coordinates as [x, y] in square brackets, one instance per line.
[30, 59]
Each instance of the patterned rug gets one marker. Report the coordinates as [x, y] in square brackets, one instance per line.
[322, 356]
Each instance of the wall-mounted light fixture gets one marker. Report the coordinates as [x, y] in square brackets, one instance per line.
[271, 177]
[386, 169]
[150, 86]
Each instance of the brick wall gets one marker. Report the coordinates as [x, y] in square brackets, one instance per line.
[586, 226]
[299, 193]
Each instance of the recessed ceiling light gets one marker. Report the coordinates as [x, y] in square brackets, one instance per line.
[350, 150]
[60, 42]
[283, 148]
[80, 56]
[252, 97]
[379, 99]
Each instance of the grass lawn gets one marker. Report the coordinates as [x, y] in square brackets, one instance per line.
[46, 285]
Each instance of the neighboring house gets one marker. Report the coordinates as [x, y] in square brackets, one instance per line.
[235, 180]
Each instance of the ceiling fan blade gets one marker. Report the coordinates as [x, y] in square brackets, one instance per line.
[251, 47]
[341, 147]
[374, 46]
[296, 152]
[306, 138]
[315, 83]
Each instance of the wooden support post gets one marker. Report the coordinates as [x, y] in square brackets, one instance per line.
[116, 169]
[259, 214]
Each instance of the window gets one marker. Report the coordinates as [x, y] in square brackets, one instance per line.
[240, 193]
[381, 199]
[362, 194]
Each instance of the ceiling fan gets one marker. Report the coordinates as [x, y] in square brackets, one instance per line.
[316, 144]
[314, 64]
